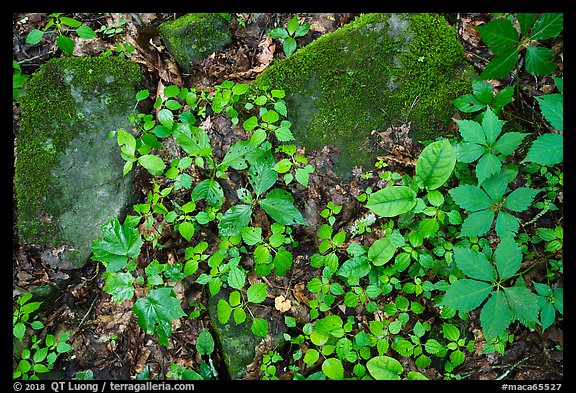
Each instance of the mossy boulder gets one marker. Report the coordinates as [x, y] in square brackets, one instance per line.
[236, 342]
[377, 72]
[68, 173]
[193, 37]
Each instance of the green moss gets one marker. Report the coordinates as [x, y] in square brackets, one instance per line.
[378, 71]
[65, 98]
[194, 36]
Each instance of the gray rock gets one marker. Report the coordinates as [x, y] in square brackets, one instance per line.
[68, 173]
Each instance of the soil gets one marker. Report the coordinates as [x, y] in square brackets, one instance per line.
[105, 336]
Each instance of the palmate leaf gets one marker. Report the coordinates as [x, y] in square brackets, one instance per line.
[471, 131]
[487, 166]
[492, 126]
[523, 303]
[539, 60]
[495, 316]
[509, 142]
[468, 151]
[507, 257]
[506, 223]
[435, 164]
[470, 198]
[156, 312]
[500, 65]
[477, 223]
[474, 264]
[119, 285]
[520, 199]
[547, 149]
[392, 201]
[548, 25]
[552, 107]
[117, 244]
[499, 35]
[466, 295]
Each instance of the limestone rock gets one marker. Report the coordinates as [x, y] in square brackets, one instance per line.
[380, 71]
[68, 172]
[194, 36]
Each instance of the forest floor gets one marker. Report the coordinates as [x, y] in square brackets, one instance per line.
[106, 337]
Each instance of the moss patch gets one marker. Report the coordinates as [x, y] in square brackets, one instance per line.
[378, 71]
[68, 173]
[194, 36]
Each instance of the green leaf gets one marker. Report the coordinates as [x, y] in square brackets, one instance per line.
[278, 33]
[483, 91]
[271, 116]
[311, 356]
[156, 312]
[509, 142]
[384, 368]
[250, 123]
[451, 332]
[69, 21]
[289, 46]
[495, 316]
[468, 151]
[520, 199]
[260, 327]
[466, 295]
[488, 165]
[66, 44]
[508, 257]
[500, 65]
[506, 223]
[474, 264]
[262, 175]
[525, 20]
[205, 343]
[236, 278]
[166, 118]
[471, 131]
[224, 311]
[256, 293]
[355, 267]
[478, 223]
[548, 315]
[467, 103]
[433, 347]
[117, 244]
[120, 286]
[547, 149]
[492, 126]
[86, 32]
[457, 358]
[282, 261]
[523, 303]
[19, 330]
[392, 201]
[282, 210]
[381, 251]
[153, 164]
[435, 164]
[503, 98]
[552, 107]
[252, 235]
[239, 315]
[548, 25]
[292, 25]
[499, 35]
[333, 368]
[186, 229]
[302, 175]
[234, 219]
[34, 37]
[470, 198]
[235, 157]
[539, 60]
[210, 190]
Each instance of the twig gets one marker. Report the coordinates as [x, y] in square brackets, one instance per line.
[87, 312]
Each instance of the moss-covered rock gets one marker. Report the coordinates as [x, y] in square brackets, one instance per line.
[68, 172]
[380, 70]
[194, 36]
[237, 342]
